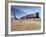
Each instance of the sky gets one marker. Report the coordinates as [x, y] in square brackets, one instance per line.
[20, 11]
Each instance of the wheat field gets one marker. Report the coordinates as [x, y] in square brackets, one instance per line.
[25, 25]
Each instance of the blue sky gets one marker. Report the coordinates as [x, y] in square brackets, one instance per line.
[20, 11]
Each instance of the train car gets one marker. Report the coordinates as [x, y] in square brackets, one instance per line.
[35, 15]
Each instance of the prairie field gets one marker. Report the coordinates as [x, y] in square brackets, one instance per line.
[25, 24]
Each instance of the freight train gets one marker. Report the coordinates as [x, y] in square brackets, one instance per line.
[35, 15]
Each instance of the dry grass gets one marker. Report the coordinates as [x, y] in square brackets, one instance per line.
[27, 24]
